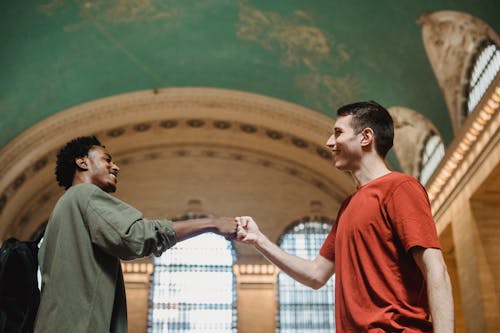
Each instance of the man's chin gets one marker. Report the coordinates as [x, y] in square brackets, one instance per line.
[339, 166]
[109, 188]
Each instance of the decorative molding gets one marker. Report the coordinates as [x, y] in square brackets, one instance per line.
[137, 274]
[255, 269]
[479, 135]
[217, 151]
[140, 121]
[181, 150]
[136, 267]
[249, 276]
[157, 105]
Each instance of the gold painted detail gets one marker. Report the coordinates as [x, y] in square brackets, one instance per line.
[101, 13]
[117, 11]
[301, 43]
[333, 91]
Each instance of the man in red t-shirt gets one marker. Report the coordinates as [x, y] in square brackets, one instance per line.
[390, 275]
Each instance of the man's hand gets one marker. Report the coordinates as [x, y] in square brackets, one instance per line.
[248, 231]
[313, 273]
[226, 226]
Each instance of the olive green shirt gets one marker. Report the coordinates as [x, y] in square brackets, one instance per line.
[88, 233]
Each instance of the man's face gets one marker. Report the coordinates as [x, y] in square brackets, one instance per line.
[102, 170]
[345, 145]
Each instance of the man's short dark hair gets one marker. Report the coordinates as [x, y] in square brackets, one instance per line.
[375, 116]
[66, 165]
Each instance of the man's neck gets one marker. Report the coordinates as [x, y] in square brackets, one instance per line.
[81, 178]
[371, 167]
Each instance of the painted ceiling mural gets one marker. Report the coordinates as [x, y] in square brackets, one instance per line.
[56, 54]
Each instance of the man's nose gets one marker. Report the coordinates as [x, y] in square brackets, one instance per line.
[115, 167]
[331, 141]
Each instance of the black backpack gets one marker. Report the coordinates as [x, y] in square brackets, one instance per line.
[19, 293]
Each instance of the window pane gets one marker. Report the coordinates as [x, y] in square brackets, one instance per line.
[431, 156]
[193, 287]
[484, 71]
[302, 309]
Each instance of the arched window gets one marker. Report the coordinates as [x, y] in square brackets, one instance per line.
[194, 287]
[485, 68]
[432, 154]
[302, 309]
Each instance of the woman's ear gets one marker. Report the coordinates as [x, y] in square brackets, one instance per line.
[81, 163]
[367, 136]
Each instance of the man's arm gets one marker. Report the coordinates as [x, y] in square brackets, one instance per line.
[224, 226]
[431, 264]
[313, 273]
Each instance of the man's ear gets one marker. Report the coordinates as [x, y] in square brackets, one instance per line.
[367, 136]
[82, 163]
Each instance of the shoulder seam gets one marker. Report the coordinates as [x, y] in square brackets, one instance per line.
[391, 194]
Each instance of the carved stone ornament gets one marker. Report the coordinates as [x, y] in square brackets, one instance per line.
[411, 130]
[452, 40]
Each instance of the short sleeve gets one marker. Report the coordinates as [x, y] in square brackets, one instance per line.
[120, 230]
[410, 214]
[327, 250]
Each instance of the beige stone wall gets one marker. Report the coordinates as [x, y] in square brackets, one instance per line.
[465, 195]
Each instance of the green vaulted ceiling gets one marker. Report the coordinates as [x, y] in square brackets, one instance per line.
[319, 54]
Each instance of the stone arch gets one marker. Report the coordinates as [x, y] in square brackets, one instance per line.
[240, 153]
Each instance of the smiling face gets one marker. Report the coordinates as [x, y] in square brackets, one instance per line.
[102, 171]
[345, 145]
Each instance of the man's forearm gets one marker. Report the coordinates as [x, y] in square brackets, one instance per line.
[302, 270]
[441, 302]
[432, 265]
[190, 228]
[312, 273]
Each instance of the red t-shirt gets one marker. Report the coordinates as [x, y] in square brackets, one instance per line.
[378, 286]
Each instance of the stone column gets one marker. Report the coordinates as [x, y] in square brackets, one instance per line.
[466, 240]
[256, 294]
[137, 276]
